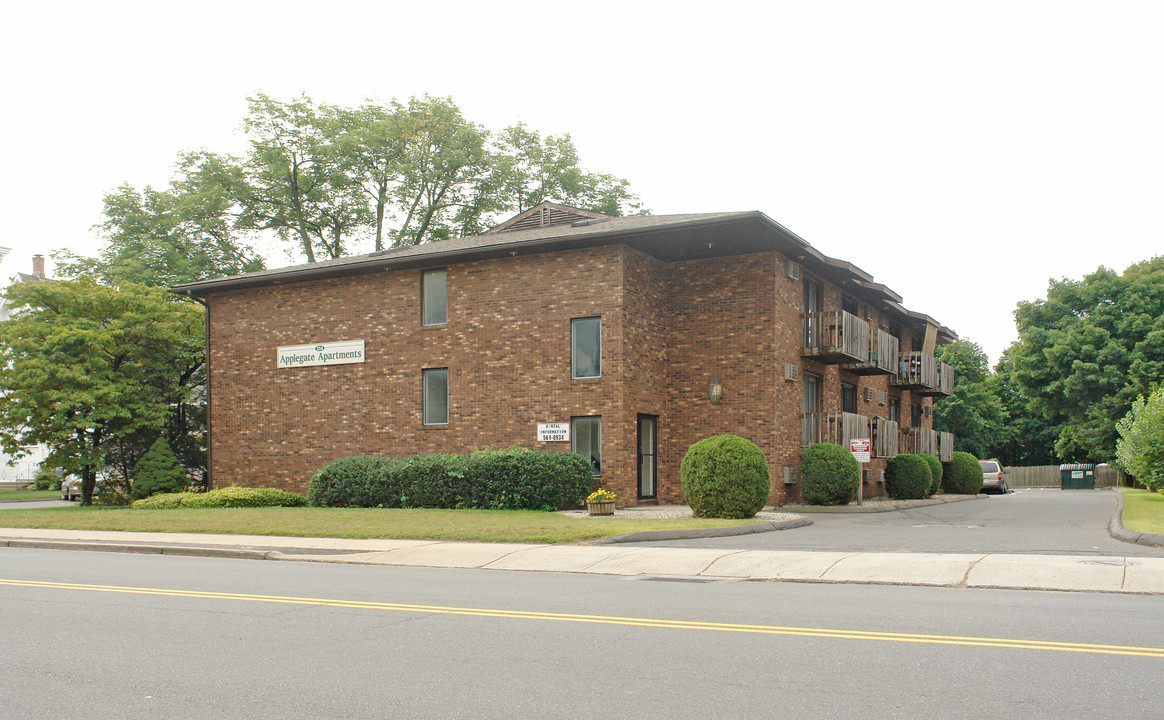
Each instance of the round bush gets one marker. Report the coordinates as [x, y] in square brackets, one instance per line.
[161, 501]
[963, 475]
[724, 476]
[829, 475]
[907, 477]
[46, 480]
[935, 471]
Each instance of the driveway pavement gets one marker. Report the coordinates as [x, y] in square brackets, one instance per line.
[1028, 521]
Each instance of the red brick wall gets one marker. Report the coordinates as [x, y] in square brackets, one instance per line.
[668, 328]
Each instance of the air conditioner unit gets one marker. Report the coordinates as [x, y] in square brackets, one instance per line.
[882, 398]
[929, 411]
[880, 476]
[868, 394]
[789, 475]
[793, 269]
[791, 372]
[867, 475]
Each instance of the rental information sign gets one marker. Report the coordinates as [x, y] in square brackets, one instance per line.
[332, 353]
[860, 449]
[553, 432]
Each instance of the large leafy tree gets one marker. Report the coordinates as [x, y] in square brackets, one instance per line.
[1088, 350]
[974, 412]
[85, 366]
[1027, 437]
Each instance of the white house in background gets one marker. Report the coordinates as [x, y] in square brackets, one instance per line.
[22, 469]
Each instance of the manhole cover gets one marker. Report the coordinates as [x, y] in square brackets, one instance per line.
[1115, 563]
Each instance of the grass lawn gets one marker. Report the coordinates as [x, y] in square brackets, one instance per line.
[1143, 511]
[466, 525]
[29, 494]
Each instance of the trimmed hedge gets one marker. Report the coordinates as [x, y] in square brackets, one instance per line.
[513, 479]
[227, 497]
[963, 475]
[907, 477]
[724, 476]
[936, 472]
[829, 475]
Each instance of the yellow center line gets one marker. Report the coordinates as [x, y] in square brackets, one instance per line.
[614, 620]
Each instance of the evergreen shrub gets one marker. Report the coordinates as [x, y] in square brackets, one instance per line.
[725, 476]
[513, 479]
[829, 475]
[907, 477]
[963, 475]
[46, 479]
[936, 472]
[158, 471]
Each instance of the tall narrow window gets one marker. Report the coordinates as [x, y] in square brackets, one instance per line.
[848, 398]
[586, 434]
[895, 409]
[434, 297]
[436, 396]
[811, 310]
[810, 421]
[915, 415]
[586, 348]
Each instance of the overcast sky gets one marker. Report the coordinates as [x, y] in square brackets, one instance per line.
[961, 153]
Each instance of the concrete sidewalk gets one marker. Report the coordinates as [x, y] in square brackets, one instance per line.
[1028, 572]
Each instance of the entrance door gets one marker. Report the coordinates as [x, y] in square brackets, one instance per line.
[648, 449]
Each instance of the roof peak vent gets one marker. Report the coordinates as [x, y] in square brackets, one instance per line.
[548, 214]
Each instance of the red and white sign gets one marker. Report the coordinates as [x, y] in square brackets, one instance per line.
[860, 449]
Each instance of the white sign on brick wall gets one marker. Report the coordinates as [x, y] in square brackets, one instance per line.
[333, 353]
[553, 432]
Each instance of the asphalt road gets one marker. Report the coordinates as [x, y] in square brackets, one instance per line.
[110, 635]
[1055, 522]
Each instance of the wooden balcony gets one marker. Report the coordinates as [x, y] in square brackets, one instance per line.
[883, 351]
[919, 440]
[946, 447]
[836, 427]
[836, 336]
[944, 382]
[917, 372]
[885, 437]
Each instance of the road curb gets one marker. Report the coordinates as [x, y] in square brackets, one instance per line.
[658, 535]
[881, 507]
[1116, 528]
[143, 549]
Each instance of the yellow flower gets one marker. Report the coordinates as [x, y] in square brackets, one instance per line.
[601, 495]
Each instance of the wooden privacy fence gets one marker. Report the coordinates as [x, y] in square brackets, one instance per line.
[1035, 476]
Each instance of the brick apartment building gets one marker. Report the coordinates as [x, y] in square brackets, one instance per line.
[626, 339]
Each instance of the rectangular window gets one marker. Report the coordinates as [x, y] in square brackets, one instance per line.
[586, 348]
[436, 396]
[915, 415]
[810, 406]
[434, 297]
[586, 435]
[810, 309]
[895, 409]
[848, 398]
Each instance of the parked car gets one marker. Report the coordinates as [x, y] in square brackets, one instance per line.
[71, 488]
[993, 476]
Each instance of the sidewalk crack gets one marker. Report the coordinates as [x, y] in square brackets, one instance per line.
[713, 562]
[966, 577]
[838, 560]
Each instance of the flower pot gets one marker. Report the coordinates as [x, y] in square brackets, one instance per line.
[600, 507]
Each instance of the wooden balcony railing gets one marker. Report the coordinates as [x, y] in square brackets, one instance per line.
[883, 351]
[885, 437]
[917, 372]
[946, 447]
[836, 336]
[919, 440]
[835, 427]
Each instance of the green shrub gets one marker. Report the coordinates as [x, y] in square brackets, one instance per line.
[1140, 446]
[158, 471]
[724, 476]
[363, 481]
[829, 475]
[935, 472]
[227, 497]
[46, 479]
[963, 475]
[907, 477]
[238, 497]
[513, 479]
[161, 501]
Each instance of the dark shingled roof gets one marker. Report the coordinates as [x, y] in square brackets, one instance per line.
[667, 237]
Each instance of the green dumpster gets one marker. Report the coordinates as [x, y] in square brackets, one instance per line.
[1077, 477]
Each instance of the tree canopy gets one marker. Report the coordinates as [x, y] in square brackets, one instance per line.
[83, 366]
[1087, 351]
[974, 412]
